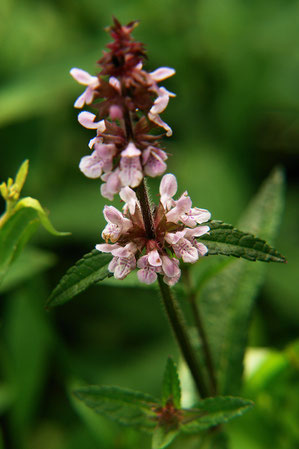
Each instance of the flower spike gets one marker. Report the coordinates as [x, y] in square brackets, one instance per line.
[128, 102]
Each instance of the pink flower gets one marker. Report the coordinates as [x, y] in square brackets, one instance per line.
[130, 166]
[112, 184]
[117, 224]
[128, 101]
[86, 119]
[129, 197]
[153, 161]
[147, 273]
[100, 160]
[159, 253]
[92, 82]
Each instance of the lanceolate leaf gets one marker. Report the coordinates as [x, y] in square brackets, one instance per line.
[171, 389]
[212, 412]
[127, 407]
[224, 239]
[92, 268]
[227, 299]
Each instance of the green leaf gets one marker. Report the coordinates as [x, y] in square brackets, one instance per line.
[171, 388]
[29, 339]
[212, 412]
[42, 215]
[18, 229]
[226, 240]
[228, 298]
[127, 407]
[14, 235]
[163, 437]
[92, 268]
[22, 175]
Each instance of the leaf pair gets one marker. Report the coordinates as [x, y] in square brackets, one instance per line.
[223, 239]
[165, 419]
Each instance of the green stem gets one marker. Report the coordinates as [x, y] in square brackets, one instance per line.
[176, 319]
[201, 332]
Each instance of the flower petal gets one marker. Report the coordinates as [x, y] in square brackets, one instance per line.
[129, 197]
[82, 77]
[86, 119]
[154, 258]
[162, 73]
[168, 188]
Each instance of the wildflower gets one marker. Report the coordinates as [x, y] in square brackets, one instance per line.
[126, 149]
[177, 225]
[92, 82]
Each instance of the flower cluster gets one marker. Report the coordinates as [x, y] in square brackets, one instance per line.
[125, 149]
[175, 226]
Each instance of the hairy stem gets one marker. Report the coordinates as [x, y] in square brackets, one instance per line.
[176, 319]
[147, 215]
[201, 332]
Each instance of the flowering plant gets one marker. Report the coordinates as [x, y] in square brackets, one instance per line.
[162, 241]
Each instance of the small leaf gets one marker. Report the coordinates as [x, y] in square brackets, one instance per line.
[22, 175]
[162, 437]
[226, 240]
[171, 388]
[35, 204]
[212, 412]
[126, 407]
[90, 269]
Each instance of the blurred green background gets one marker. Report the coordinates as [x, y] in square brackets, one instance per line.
[235, 117]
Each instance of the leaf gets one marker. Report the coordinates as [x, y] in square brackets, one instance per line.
[14, 235]
[163, 437]
[171, 388]
[18, 229]
[92, 268]
[212, 412]
[227, 299]
[32, 203]
[127, 407]
[226, 240]
[29, 339]
[22, 175]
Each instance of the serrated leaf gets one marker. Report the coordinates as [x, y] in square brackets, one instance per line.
[92, 268]
[227, 299]
[171, 388]
[212, 412]
[224, 239]
[124, 406]
[162, 438]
